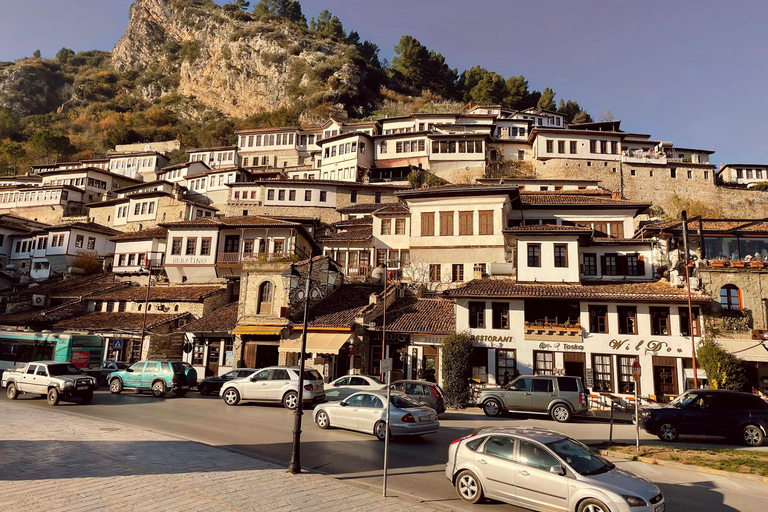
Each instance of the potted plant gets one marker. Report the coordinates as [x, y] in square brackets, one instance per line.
[757, 263]
[718, 262]
[737, 264]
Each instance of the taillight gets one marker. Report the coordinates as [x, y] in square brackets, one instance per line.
[581, 398]
[309, 387]
[463, 438]
[408, 418]
[174, 378]
[434, 392]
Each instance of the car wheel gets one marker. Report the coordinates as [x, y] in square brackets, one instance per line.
[561, 413]
[469, 487]
[667, 432]
[291, 400]
[380, 430]
[12, 392]
[180, 393]
[202, 389]
[752, 435]
[158, 389]
[53, 396]
[231, 396]
[492, 407]
[116, 386]
[592, 505]
[86, 398]
[323, 421]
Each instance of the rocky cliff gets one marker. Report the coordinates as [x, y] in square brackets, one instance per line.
[236, 64]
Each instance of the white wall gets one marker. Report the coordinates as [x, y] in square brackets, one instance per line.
[547, 272]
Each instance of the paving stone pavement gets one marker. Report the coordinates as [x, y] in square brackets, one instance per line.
[57, 462]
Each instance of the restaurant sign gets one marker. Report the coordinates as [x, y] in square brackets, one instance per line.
[493, 341]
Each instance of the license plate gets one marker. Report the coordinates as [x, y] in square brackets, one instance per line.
[425, 418]
[184, 387]
[660, 508]
[82, 387]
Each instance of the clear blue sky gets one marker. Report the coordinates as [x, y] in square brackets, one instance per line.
[690, 71]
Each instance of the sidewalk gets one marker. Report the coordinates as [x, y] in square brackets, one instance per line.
[59, 462]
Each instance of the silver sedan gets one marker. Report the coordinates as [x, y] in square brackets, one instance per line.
[342, 387]
[364, 411]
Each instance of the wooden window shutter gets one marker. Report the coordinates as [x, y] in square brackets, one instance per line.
[640, 266]
[602, 265]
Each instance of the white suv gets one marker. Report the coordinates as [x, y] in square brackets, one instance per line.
[275, 384]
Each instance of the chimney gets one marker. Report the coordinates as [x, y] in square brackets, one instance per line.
[616, 195]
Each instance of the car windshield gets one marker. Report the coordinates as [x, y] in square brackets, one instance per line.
[121, 366]
[177, 366]
[579, 457]
[375, 379]
[402, 402]
[683, 399]
[312, 375]
[55, 370]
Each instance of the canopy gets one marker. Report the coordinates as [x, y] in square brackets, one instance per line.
[317, 342]
[749, 350]
[264, 330]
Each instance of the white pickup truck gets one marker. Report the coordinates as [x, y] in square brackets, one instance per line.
[51, 379]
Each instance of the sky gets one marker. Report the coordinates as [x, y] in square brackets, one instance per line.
[689, 71]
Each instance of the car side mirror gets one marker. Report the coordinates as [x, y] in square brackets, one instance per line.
[253, 379]
[343, 404]
[557, 470]
[130, 370]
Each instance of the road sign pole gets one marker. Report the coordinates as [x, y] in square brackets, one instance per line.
[386, 437]
[636, 373]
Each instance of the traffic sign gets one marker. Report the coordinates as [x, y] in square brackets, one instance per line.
[386, 365]
[117, 344]
[636, 370]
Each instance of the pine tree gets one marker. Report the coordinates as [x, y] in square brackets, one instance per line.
[328, 25]
[418, 68]
[547, 100]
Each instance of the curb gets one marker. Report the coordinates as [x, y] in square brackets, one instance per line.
[689, 467]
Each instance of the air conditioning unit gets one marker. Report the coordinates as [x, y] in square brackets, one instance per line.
[38, 300]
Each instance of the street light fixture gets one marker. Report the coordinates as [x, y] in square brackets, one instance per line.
[291, 279]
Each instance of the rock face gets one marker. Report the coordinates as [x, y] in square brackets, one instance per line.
[31, 87]
[236, 65]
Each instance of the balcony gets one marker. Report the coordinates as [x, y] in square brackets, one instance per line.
[238, 258]
[357, 272]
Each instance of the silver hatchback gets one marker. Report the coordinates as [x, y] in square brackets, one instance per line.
[540, 469]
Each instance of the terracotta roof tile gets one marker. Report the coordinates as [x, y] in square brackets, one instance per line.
[712, 225]
[341, 307]
[250, 221]
[223, 319]
[420, 315]
[361, 208]
[86, 226]
[354, 235]
[542, 198]
[75, 287]
[191, 293]
[659, 291]
[363, 221]
[543, 228]
[117, 321]
[145, 234]
[393, 209]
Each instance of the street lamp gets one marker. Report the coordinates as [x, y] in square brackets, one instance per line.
[291, 280]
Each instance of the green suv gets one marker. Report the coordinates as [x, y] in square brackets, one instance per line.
[156, 376]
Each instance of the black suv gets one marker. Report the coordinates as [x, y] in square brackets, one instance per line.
[710, 412]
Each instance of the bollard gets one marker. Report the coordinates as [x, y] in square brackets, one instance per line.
[610, 435]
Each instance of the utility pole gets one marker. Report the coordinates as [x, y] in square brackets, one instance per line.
[684, 217]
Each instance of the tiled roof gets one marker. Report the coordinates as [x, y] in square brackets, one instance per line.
[223, 319]
[363, 221]
[86, 226]
[14, 225]
[543, 198]
[145, 234]
[189, 293]
[72, 288]
[117, 321]
[659, 291]
[250, 221]
[361, 208]
[712, 225]
[352, 184]
[341, 307]
[607, 240]
[354, 235]
[420, 315]
[393, 209]
[544, 228]
[45, 318]
[472, 188]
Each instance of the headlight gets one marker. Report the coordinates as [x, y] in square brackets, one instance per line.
[68, 384]
[634, 501]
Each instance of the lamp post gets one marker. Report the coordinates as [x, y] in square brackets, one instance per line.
[291, 279]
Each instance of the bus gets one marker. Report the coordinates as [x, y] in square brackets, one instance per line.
[19, 347]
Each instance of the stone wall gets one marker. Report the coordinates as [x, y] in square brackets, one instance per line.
[48, 214]
[753, 284]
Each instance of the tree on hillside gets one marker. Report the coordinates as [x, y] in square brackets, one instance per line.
[570, 109]
[582, 117]
[419, 68]
[491, 90]
[547, 100]
[36, 54]
[9, 124]
[13, 152]
[63, 55]
[50, 145]
[518, 96]
[468, 80]
[367, 49]
[328, 25]
[288, 9]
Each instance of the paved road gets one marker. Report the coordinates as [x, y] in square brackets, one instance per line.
[416, 464]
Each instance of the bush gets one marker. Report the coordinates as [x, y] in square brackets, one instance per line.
[724, 370]
[457, 369]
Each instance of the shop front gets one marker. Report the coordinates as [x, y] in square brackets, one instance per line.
[259, 345]
[330, 353]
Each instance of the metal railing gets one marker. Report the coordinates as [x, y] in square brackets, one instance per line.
[242, 257]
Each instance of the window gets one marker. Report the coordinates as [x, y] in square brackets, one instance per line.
[477, 315]
[500, 446]
[730, 297]
[457, 272]
[291, 195]
[572, 147]
[561, 146]
[603, 372]
[386, 226]
[673, 173]
[377, 197]
[660, 321]
[506, 361]
[603, 146]
[265, 298]
[626, 382]
[466, 220]
[281, 195]
[614, 148]
[428, 224]
[307, 195]
[500, 315]
[271, 195]
[79, 241]
[690, 175]
[534, 255]
[590, 264]
[549, 146]
[176, 246]
[121, 306]
[561, 255]
[279, 247]
[598, 319]
[617, 229]
[353, 196]
[91, 243]
[685, 324]
[191, 246]
[205, 246]
[543, 363]
[485, 222]
[446, 223]
[434, 272]
[323, 196]
[593, 146]
[610, 267]
[627, 319]
[399, 226]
